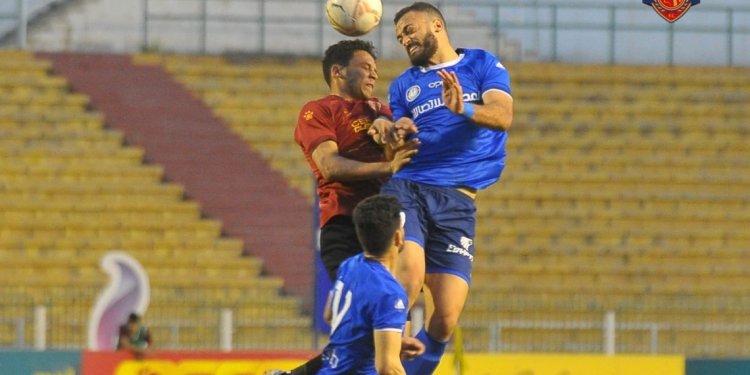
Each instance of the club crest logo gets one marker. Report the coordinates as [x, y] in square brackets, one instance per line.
[671, 10]
[412, 93]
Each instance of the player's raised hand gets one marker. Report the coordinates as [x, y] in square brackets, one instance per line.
[453, 93]
[404, 127]
[411, 347]
[403, 154]
[388, 133]
[380, 130]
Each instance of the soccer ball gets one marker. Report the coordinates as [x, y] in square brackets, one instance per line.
[354, 17]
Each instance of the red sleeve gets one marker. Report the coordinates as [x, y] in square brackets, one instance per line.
[315, 125]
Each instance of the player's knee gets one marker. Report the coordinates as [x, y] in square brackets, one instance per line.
[442, 325]
[411, 282]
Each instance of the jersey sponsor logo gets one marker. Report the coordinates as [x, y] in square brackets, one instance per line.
[435, 84]
[412, 93]
[438, 102]
[361, 124]
[671, 10]
[466, 243]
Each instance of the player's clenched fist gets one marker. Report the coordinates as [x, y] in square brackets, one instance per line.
[411, 347]
[386, 132]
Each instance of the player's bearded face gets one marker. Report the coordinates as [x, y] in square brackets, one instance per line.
[420, 51]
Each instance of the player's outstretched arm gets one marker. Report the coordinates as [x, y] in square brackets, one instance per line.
[496, 112]
[402, 155]
[387, 352]
[335, 167]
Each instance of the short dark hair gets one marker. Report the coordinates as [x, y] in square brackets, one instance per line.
[133, 318]
[376, 220]
[421, 7]
[342, 52]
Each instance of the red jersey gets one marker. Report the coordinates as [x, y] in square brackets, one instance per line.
[345, 122]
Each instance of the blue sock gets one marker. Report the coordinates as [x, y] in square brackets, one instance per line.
[426, 363]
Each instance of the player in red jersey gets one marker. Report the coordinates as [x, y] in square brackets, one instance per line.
[332, 132]
[348, 165]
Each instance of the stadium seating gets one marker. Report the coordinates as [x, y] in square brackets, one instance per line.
[625, 191]
[260, 99]
[71, 191]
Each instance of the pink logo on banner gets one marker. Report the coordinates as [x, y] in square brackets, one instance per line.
[128, 291]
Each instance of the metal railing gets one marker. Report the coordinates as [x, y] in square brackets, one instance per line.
[19, 21]
[37, 328]
[18, 326]
[517, 30]
[616, 21]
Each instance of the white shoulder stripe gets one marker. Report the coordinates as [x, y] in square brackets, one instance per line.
[399, 330]
[498, 90]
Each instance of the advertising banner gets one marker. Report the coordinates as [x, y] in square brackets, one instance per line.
[717, 367]
[40, 363]
[256, 363]
[567, 364]
[189, 363]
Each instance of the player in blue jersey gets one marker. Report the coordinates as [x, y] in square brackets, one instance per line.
[459, 102]
[367, 306]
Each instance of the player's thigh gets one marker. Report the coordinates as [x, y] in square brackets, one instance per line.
[338, 242]
[410, 196]
[449, 247]
[449, 293]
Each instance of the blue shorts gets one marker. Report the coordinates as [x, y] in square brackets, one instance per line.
[441, 220]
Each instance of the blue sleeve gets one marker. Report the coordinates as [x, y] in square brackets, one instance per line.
[494, 75]
[396, 101]
[389, 311]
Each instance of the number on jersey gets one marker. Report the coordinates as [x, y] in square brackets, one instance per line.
[337, 310]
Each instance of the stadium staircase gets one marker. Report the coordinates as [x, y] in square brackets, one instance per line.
[626, 190]
[136, 165]
[197, 150]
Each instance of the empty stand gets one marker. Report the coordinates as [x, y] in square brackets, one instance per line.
[72, 190]
[625, 190]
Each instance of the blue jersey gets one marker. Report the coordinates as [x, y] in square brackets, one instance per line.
[366, 298]
[454, 151]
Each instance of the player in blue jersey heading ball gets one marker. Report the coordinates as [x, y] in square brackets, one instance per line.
[458, 103]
